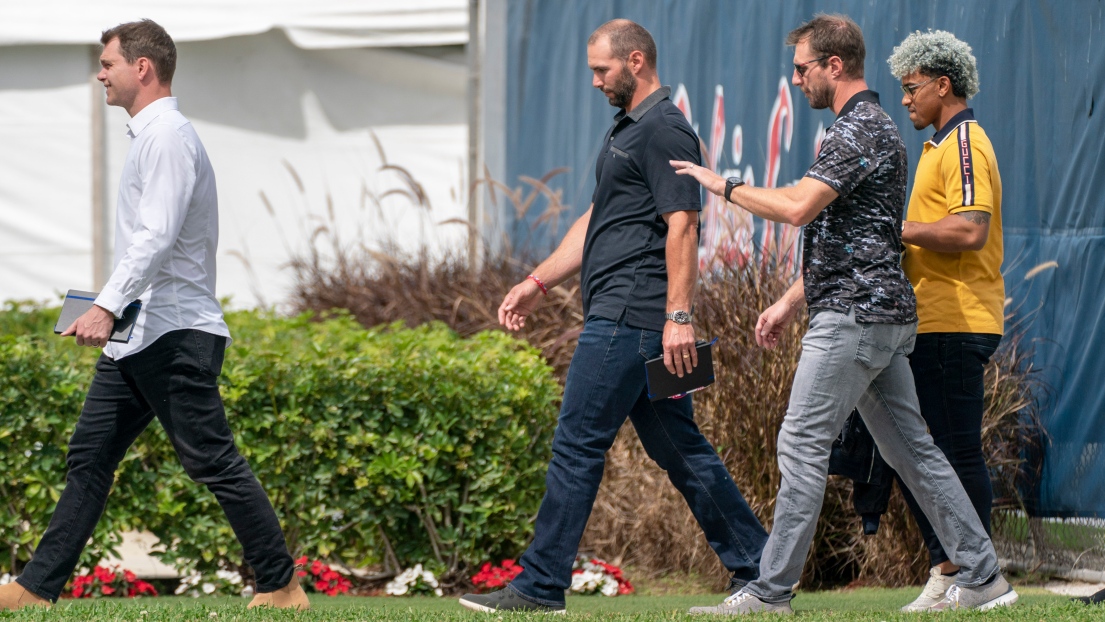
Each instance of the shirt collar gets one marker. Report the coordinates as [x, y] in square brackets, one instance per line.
[152, 110]
[862, 96]
[647, 104]
[961, 117]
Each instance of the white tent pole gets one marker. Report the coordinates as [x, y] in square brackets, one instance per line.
[474, 113]
[101, 250]
[492, 120]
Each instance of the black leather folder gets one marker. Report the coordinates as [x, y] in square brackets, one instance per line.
[662, 384]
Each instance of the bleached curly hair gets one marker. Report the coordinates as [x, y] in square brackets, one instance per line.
[937, 53]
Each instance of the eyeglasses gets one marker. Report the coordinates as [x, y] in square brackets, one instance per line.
[800, 68]
[910, 90]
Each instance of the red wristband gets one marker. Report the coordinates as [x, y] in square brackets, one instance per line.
[544, 290]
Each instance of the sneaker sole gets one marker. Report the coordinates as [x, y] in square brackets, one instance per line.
[911, 608]
[485, 609]
[1004, 600]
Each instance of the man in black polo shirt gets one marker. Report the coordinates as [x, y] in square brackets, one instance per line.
[637, 250]
[863, 323]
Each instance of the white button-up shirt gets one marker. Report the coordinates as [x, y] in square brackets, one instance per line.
[166, 231]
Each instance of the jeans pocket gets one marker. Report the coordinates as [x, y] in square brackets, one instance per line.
[876, 348]
[652, 344]
[973, 358]
[209, 352]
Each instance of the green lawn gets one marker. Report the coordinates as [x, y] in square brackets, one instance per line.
[862, 604]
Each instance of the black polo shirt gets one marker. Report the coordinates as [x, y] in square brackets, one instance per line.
[624, 263]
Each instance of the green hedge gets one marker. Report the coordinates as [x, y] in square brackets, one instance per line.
[389, 445]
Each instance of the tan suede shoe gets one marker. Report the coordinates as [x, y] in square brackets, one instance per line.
[14, 596]
[291, 596]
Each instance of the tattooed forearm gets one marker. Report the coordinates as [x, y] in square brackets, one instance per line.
[975, 216]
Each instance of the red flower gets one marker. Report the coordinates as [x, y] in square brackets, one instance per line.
[316, 567]
[301, 561]
[107, 590]
[77, 591]
[507, 564]
[129, 576]
[321, 586]
[141, 587]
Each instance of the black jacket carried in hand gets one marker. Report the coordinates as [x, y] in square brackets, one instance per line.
[855, 456]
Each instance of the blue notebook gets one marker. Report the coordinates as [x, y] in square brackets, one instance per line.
[77, 303]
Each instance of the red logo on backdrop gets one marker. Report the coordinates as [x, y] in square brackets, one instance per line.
[728, 231]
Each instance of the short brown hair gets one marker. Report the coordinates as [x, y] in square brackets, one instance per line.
[833, 35]
[627, 37]
[145, 39]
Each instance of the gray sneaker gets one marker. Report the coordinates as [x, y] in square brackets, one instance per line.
[935, 590]
[741, 603]
[996, 593]
[505, 599]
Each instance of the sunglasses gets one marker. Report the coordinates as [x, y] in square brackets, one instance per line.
[800, 68]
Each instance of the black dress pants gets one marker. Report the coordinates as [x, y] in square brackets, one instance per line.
[173, 379]
[948, 371]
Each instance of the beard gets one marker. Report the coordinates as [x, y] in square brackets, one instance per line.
[623, 88]
[820, 96]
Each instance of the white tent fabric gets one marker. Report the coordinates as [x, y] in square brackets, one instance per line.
[309, 24]
[303, 141]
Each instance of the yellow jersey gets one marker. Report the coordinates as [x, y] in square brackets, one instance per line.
[957, 292]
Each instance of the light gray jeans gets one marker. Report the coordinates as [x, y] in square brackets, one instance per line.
[845, 364]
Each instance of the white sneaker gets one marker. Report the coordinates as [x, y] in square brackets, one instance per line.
[935, 589]
[996, 593]
[743, 603]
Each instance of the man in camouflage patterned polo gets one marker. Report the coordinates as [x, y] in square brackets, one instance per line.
[863, 323]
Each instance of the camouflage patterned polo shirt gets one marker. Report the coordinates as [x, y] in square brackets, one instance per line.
[852, 250]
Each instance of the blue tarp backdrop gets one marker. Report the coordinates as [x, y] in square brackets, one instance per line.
[1042, 68]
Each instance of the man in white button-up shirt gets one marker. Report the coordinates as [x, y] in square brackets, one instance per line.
[166, 232]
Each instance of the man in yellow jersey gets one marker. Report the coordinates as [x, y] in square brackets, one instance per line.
[952, 236]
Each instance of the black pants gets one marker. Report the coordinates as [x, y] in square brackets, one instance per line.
[948, 370]
[175, 379]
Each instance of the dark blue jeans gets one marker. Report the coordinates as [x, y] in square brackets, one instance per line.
[174, 379]
[606, 383]
[948, 369]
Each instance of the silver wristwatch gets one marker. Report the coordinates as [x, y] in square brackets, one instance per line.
[679, 317]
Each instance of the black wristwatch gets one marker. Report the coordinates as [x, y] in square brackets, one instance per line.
[731, 183]
[679, 317]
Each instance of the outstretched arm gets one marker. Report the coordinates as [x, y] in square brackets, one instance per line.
[794, 205]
